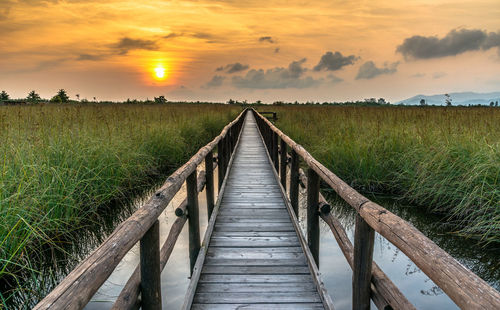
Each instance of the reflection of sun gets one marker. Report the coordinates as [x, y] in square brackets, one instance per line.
[160, 72]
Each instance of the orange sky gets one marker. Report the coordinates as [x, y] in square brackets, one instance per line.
[283, 50]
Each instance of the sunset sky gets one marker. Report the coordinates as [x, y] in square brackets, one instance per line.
[254, 50]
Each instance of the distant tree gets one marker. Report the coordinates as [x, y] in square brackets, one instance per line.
[258, 102]
[60, 97]
[496, 103]
[77, 97]
[492, 104]
[95, 99]
[160, 99]
[4, 95]
[422, 102]
[33, 96]
[56, 99]
[231, 101]
[382, 101]
[447, 100]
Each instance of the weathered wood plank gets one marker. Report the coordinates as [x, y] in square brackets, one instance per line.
[288, 297]
[255, 270]
[257, 287]
[301, 261]
[282, 306]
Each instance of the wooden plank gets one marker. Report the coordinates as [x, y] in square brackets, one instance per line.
[217, 278]
[288, 297]
[255, 270]
[255, 255]
[257, 287]
[282, 306]
[256, 233]
[254, 227]
[300, 261]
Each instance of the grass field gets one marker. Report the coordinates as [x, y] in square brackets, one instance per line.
[61, 165]
[446, 160]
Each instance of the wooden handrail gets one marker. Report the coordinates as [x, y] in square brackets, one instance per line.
[75, 291]
[464, 287]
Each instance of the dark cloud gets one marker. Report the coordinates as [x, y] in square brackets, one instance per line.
[233, 68]
[275, 78]
[90, 57]
[277, 50]
[202, 35]
[127, 44]
[369, 70]
[267, 39]
[454, 43]
[216, 81]
[334, 61]
[172, 35]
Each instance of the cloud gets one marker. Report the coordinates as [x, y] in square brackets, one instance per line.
[276, 78]
[369, 70]
[454, 43]
[90, 57]
[233, 68]
[267, 39]
[172, 35]
[127, 44]
[334, 79]
[277, 50]
[334, 61]
[417, 75]
[216, 81]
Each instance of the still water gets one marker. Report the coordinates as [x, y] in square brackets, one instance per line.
[336, 273]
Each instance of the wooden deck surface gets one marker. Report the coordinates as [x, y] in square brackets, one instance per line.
[254, 259]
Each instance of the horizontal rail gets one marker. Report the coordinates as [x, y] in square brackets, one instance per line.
[75, 291]
[464, 287]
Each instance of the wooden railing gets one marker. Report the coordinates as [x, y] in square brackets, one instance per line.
[465, 288]
[76, 290]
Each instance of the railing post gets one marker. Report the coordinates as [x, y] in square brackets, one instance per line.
[362, 265]
[283, 162]
[275, 152]
[294, 182]
[194, 225]
[220, 161]
[209, 182]
[313, 214]
[150, 268]
[227, 151]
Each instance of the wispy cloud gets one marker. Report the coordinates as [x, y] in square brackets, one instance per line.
[267, 39]
[126, 44]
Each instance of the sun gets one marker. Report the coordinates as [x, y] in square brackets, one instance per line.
[160, 72]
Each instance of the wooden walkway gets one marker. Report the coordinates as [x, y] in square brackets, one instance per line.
[255, 259]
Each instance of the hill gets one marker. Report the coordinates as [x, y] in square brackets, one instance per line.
[462, 98]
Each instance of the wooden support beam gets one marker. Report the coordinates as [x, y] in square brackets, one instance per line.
[150, 268]
[283, 163]
[209, 181]
[362, 264]
[294, 183]
[194, 225]
[274, 155]
[220, 161]
[313, 214]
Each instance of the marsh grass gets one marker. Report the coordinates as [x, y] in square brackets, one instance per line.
[62, 167]
[446, 160]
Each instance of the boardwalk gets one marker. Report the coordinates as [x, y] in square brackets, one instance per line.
[254, 259]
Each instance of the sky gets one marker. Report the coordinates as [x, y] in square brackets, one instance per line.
[270, 50]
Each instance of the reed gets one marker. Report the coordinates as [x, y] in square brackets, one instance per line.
[446, 160]
[62, 166]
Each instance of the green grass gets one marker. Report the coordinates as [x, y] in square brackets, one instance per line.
[446, 160]
[62, 166]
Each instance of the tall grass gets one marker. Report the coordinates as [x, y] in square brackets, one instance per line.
[446, 160]
[62, 166]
